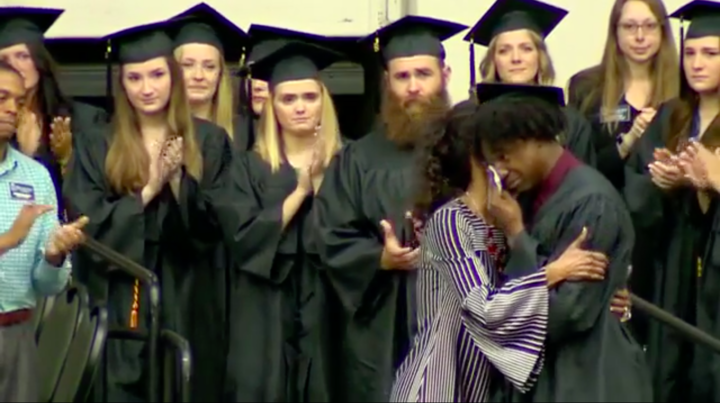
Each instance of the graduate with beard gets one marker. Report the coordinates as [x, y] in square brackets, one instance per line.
[368, 252]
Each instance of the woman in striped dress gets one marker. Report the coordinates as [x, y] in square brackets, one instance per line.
[471, 322]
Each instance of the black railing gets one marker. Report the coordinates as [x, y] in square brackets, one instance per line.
[685, 329]
[152, 337]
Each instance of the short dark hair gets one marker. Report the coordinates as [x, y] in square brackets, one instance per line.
[509, 119]
[8, 68]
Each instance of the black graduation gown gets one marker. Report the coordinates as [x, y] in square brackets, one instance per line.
[369, 181]
[603, 135]
[578, 136]
[687, 234]
[610, 164]
[589, 355]
[177, 239]
[242, 138]
[274, 306]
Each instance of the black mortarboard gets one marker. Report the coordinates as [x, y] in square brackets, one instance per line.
[203, 24]
[413, 35]
[266, 40]
[25, 24]
[294, 61]
[491, 91]
[704, 17]
[512, 15]
[142, 43]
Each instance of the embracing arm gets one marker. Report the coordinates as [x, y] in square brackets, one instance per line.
[507, 323]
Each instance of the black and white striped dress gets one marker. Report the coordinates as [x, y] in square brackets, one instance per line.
[468, 319]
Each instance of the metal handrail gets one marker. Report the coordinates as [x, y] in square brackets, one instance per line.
[152, 283]
[687, 330]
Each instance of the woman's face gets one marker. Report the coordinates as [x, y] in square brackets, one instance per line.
[701, 62]
[517, 59]
[298, 105]
[148, 85]
[260, 94]
[639, 33]
[20, 58]
[201, 71]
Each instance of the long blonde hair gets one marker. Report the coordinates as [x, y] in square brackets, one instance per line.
[607, 82]
[222, 111]
[268, 143]
[127, 162]
[546, 71]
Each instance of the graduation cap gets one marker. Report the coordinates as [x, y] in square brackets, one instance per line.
[294, 61]
[492, 91]
[142, 43]
[512, 15]
[704, 17]
[203, 24]
[266, 39]
[413, 35]
[25, 24]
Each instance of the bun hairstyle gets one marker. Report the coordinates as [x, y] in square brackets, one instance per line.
[444, 161]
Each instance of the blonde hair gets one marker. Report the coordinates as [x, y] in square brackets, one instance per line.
[608, 82]
[546, 71]
[127, 162]
[222, 110]
[268, 143]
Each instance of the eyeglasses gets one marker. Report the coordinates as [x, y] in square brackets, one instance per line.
[632, 28]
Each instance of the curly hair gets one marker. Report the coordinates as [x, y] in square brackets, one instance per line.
[445, 159]
[508, 119]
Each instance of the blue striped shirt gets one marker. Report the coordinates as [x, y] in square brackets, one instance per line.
[24, 273]
[469, 320]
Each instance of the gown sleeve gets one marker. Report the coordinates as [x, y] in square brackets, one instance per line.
[644, 199]
[252, 231]
[346, 244]
[115, 220]
[507, 323]
[198, 197]
[576, 305]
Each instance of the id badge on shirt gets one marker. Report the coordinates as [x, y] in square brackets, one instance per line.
[22, 192]
[621, 114]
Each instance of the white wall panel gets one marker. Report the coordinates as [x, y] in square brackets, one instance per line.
[328, 17]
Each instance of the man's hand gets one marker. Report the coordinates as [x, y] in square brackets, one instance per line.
[25, 220]
[395, 256]
[63, 240]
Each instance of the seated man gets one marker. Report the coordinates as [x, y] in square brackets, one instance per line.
[33, 248]
[589, 355]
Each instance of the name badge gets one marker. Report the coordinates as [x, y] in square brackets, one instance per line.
[620, 115]
[21, 191]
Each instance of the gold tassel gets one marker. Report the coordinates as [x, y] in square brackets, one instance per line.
[135, 309]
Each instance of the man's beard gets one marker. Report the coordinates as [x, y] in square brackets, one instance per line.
[405, 122]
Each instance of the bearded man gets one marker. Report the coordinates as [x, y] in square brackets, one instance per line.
[363, 234]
